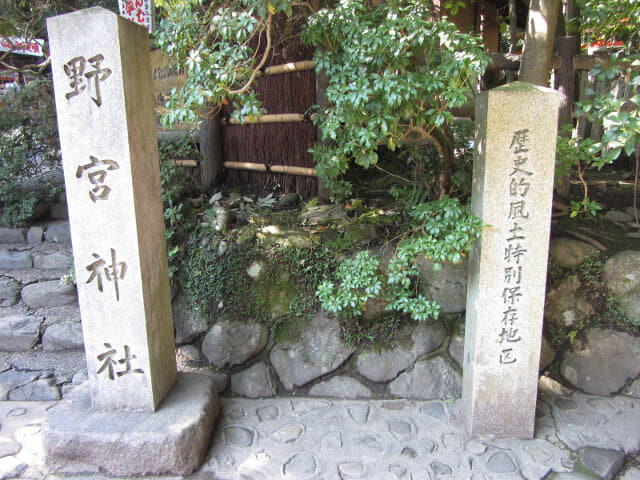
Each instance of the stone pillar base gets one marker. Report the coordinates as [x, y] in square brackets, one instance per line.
[172, 440]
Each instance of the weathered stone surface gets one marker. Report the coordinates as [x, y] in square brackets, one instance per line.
[622, 276]
[547, 355]
[285, 237]
[608, 360]
[323, 214]
[360, 233]
[11, 235]
[172, 440]
[512, 196]
[340, 387]
[187, 355]
[11, 379]
[19, 332]
[618, 216]
[567, 252]
[109, 150]
[58, 211]
[15, 260]
[566, 304]
[429, 379]
[230, 343]
[188, 323]
[456, 348]
[622, 272]
[633, 389]
[603, 462]
[320, 351]
[48, 294]
[8, 446]
[35, 234]
[387, 364]
[11, 467]
[447, 286]
[54, 260]
[62, 336]
[58, 232]
[254, 382]
[43, 389]
[9, 292]
[632, 473]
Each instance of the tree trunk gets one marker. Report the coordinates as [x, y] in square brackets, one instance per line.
[538, 44]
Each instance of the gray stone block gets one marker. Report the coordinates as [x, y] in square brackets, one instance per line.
[320, 351]
[9, 292]
[11, 467]
[254, 382]
[11, 235]
[188, 323]
[54, 260]
[8, 447]
[341, 387]
[58, 232]
[429, 379]
[15, 260]
[172, 440]
[35, 234]
[48, 294]
[447, 286]
[567, 252]
[43, 389]
[603, 366]
[231, 343]
[12, 379]
[19, 332]
[62, 336]
[603, 462]
[387, 364]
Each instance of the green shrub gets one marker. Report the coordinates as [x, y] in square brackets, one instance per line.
[441, 231]
[29, 152]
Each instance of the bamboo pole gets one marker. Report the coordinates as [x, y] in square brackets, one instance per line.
[270, 118]
[186, 163]
[261, 167]
[290, 67]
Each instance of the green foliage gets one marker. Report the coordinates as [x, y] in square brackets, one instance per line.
[619, 116]
[215, 41]
[394, 74]
[28, 150]
[603, 21]
[358, 281]
[442, 231]
[177, 188]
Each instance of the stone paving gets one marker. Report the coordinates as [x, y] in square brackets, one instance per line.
[327, 439]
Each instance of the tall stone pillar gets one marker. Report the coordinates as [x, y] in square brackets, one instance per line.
[102, 78]
[516, 129]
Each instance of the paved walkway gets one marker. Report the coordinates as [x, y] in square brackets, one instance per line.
[305, 438]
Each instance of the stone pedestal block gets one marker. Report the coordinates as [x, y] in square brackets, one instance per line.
[171, 441]
[512, 192]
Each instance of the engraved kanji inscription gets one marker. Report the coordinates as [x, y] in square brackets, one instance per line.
[96, 173]
[82, 76]
[114, 272]
[110, 363]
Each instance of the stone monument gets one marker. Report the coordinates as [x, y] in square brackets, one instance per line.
[516, 129]
[103, 89]
[109, 147]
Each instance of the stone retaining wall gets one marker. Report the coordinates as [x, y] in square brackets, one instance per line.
[41, 353]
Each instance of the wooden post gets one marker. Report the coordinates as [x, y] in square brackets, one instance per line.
[565, 81]
[211, 155]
